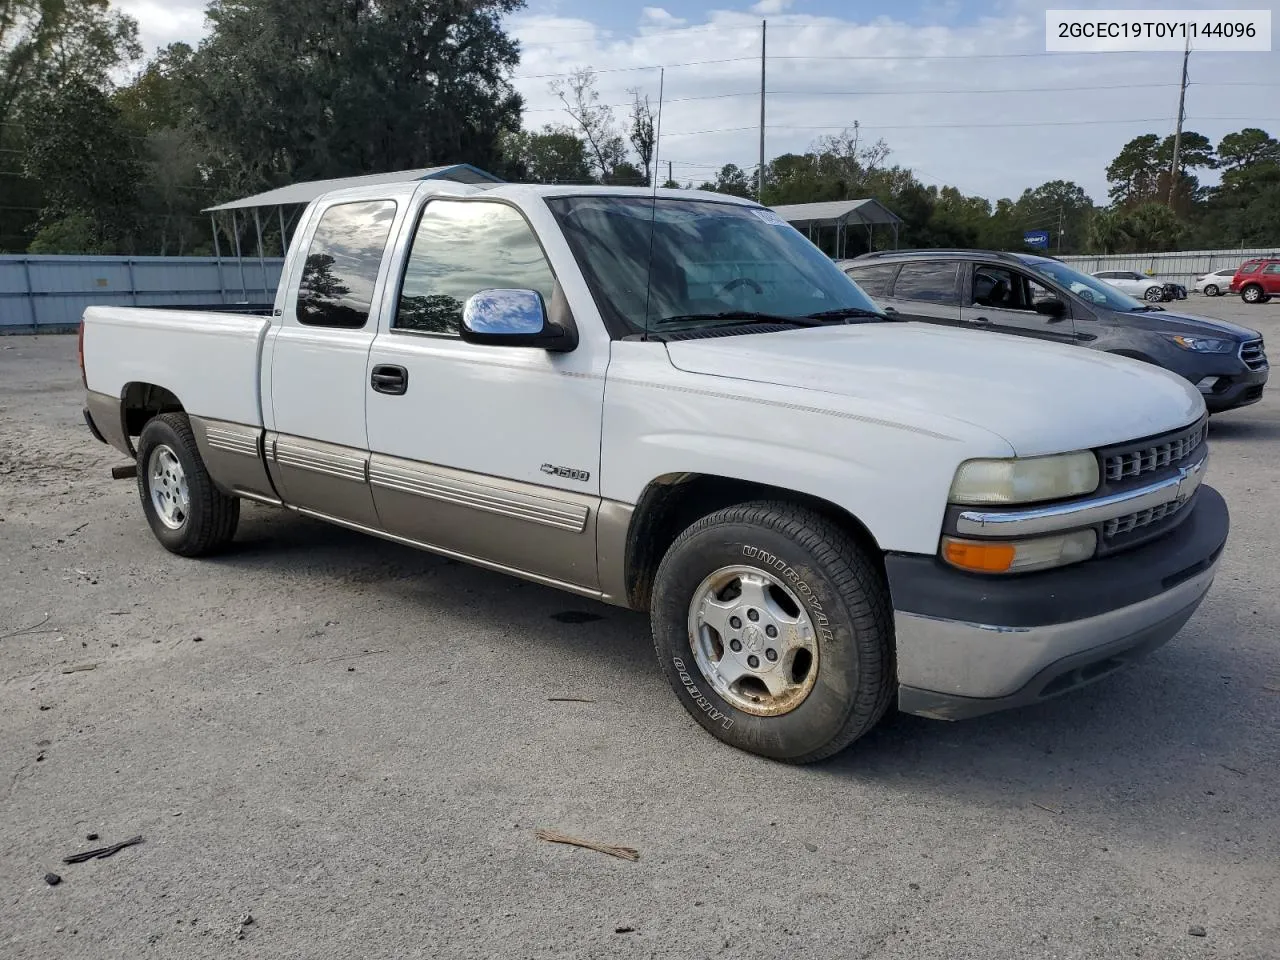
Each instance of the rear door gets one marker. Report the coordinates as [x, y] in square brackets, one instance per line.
[1004, 300]
[317, 449]
[926, 290]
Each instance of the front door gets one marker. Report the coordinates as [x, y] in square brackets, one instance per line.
[1004, 300]
[316, 446]
[1271, 279]
[488, 452]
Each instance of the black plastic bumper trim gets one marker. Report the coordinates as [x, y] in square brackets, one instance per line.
[93, 427]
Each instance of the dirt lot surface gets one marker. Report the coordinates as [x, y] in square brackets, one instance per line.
[353, 743]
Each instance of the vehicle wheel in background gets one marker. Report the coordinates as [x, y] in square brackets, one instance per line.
[1211, 290]
[1154, 294]
[1252, 293]
[188, 514]
[774, 628]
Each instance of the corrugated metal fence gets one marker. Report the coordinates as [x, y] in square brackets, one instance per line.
[50, 293]
[1184, 267]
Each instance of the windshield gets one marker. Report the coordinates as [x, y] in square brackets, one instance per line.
[1087, 288]
[709, 260]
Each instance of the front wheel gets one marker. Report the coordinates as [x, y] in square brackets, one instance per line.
[1252, 294]
[773, 626]
[187, 513]
[1154, 294]
[1211, 290]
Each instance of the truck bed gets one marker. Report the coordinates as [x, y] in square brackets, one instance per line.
[209, 358]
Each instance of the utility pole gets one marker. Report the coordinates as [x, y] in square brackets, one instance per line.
[1060, 210]
[764, 27]
[1177, 136]
[669, 175]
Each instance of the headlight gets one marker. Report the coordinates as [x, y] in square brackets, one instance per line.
[1019, 556]
[1204, 344]
[1029, 480]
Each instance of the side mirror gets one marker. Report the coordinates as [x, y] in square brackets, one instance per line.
[1051, 307]
[512, 318]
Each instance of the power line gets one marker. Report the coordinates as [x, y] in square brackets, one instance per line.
[969, 125]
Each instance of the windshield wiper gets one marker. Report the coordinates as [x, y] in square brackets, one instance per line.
[848, 313]
[1146, 308]
[742, 316]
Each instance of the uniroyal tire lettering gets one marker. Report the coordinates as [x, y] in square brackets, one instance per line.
[767, 559]
[703, 703]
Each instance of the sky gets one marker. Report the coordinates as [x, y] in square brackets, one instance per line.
[963, 93]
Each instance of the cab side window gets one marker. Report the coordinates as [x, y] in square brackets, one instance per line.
[1000, 288]
[460, 248]
[1271, 268]
[336, 289]
[933, 282]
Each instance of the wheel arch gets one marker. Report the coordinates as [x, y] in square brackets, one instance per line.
[140, 402]
[671, 503]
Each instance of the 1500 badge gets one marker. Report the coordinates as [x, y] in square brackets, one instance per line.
[568, 473]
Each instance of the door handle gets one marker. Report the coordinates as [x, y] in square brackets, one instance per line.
[980, 321]
[890, 310]
[390, 379]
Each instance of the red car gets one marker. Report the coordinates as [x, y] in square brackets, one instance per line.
[1257, 281]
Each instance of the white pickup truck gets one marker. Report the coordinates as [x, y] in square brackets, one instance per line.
[674, 402]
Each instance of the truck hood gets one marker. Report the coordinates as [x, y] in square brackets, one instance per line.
[1172, 322]
[1039, 397]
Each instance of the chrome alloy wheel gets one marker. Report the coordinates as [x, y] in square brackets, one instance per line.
[168, 485]
[753, 641]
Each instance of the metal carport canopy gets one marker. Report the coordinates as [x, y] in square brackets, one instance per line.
[839, 214]
[298, 195]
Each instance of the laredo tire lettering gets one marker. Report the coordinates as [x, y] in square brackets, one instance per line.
[703, 703]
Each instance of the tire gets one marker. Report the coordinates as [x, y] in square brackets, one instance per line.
[832, 593]
[1153, 294]
[168, 458]
[1252, 293]
[1211, 290]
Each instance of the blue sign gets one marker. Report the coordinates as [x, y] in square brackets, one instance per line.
[1036, 238]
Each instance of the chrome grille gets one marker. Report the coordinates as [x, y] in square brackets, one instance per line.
[1156, 454]
[1253, 354]
[1143, 518]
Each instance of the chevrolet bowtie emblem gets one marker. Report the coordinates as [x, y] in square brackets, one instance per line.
[1189, 480]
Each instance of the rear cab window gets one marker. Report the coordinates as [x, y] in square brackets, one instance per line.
[1249, 267]
[342, 264]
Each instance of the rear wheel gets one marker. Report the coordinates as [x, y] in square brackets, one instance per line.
[1154, 294]
[1253, 294]
[187, 513]
[1211, 290]
[773, 626]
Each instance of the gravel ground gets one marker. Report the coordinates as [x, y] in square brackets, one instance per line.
[353, 743]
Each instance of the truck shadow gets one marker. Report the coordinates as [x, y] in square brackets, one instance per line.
[1175, 743]
[1242, 429]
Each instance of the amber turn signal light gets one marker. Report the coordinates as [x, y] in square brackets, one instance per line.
[979, 557]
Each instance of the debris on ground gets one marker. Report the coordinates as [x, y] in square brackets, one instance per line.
[622, 853]
[1048, 809]
[52, 879]
[1197, 931]
[1233, 769]
[28, 629]
[569, 700]
[811, 847]
[80, 668]
[624, 929]
[101, 853]
[91, 836]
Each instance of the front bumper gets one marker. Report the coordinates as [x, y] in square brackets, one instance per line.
[1236, 390]
[969, 645]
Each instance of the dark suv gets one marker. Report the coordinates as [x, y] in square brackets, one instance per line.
[1044, 298]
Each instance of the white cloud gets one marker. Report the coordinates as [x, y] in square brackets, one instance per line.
[657, 16]
[162, 22]
[770, 7]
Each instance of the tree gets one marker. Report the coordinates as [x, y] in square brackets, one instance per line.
[1248, 147]
[641, 133]
[731, 179]
[1109, 232]
[287, 90]
[1059, 205]
[594, 119]
[553, 155]
[627, 175]
[1153, 227]
[87, 164]
[1135, 170]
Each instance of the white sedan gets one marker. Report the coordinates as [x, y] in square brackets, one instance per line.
[1133, 283]
[1217, 283]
